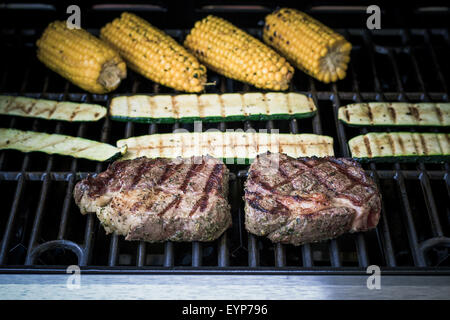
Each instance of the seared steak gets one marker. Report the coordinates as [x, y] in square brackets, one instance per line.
[308, 199]
[159, 199]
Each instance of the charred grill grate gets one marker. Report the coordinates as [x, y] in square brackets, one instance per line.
[41, 227]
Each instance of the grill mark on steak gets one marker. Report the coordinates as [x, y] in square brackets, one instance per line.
[213, 179]
[174, 202]
[255, 205]
[192, 172]
[144, 166]
[169, 170]
[323, 181]
[342, 169]
[282, 171]
[331, 197]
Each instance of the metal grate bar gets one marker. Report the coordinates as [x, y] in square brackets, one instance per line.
[196, 254]
[38, 217]
[12, 216]
[434, 59]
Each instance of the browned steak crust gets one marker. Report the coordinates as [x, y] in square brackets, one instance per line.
[308, 199]
[159, 199]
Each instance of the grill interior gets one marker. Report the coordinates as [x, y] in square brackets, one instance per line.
[41, 226]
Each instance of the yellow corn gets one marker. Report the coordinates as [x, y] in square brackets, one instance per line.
[154, 54]
[308, 44]
[81, 58]
[228, 50]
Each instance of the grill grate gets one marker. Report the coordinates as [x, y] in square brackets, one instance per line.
[42, 228]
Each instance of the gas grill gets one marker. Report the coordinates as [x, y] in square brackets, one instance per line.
[42, 231]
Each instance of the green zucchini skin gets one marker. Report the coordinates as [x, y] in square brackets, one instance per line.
[215, 119]
[398, 114]
[31, 141]
[232, 147]
[405, 159]
[169, 109]
[51, 109]
[401, 147]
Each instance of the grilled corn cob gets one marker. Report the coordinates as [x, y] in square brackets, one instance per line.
[228, 50]
[308, 44]
[81, 58]
[154, 54]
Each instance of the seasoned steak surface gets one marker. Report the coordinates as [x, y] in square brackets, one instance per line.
[159, 199]
[308, 199]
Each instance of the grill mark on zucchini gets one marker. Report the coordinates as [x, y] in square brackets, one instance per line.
[175, 107]
[424, 145]
[201, 112]
[30, 141]
[439, 114]
[222, 106]
[415, 113]
[402, 145]
[369, 113]
[400, 114]
[289, 104]
[392, 113]
[152, 106]
[347, 114]
[416, 149]
[189, 108]
[74, 113]
[47, 109]
[429, 147]
[233, 145]
[10, 142]
[392, 144]
[367, 143]
[266, 103]
[244, 106]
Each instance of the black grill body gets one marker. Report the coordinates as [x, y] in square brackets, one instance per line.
[42, 230]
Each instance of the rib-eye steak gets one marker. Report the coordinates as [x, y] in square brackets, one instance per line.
[159, 199]
[308, 199]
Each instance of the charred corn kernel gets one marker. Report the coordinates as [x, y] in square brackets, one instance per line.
[154, 54]
[81, 58]
[308, 44]
[228, 50]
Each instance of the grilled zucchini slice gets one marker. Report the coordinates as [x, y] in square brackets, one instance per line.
[29, 141]
[242, 146]
[50, 109]
[395, 114]
[401, 146]
[211, 107]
